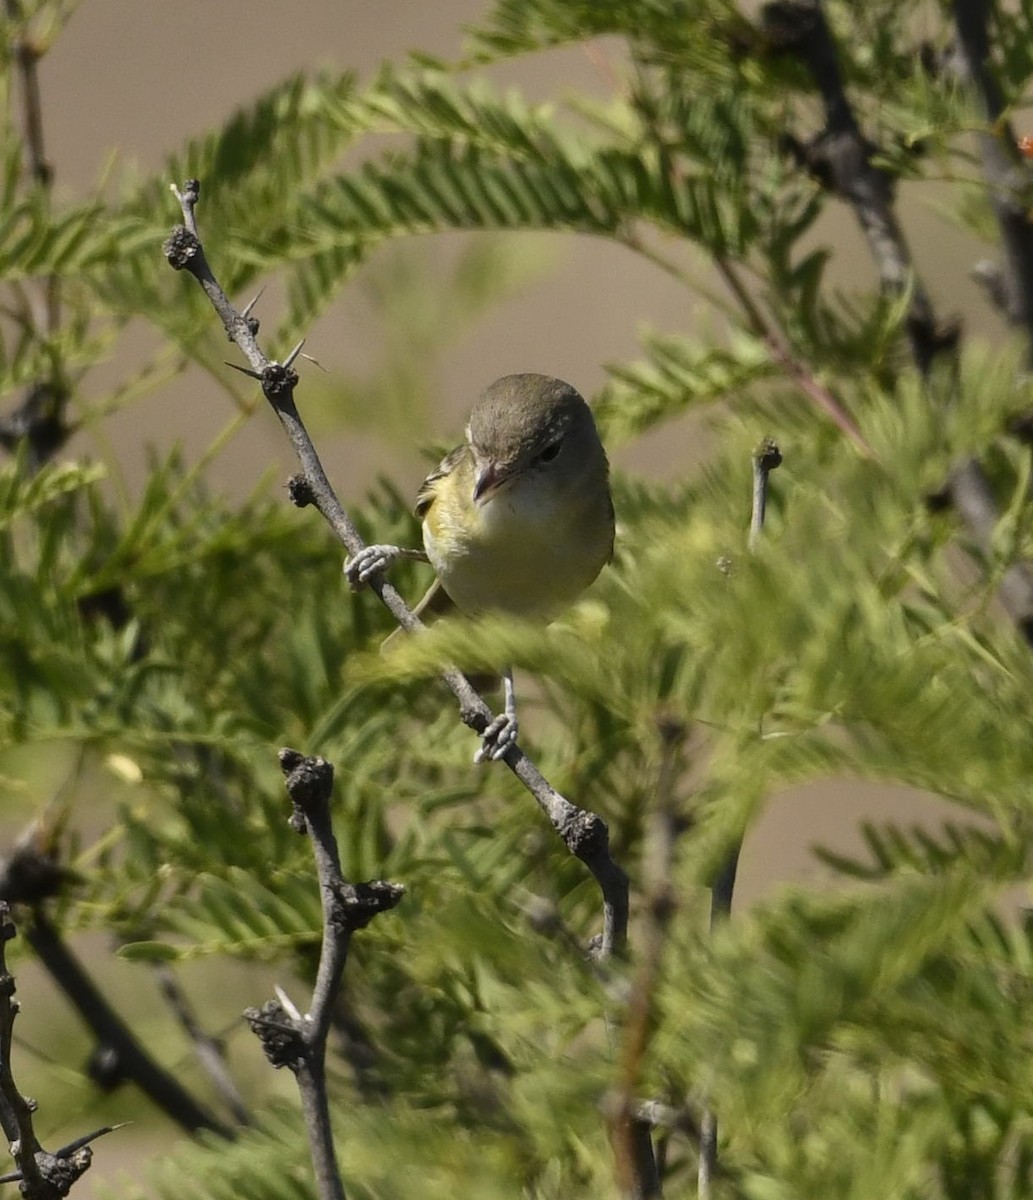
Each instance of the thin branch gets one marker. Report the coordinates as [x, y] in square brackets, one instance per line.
[133, 1062]
[844, 158]
[288, 1038]
[804, 379]
[39, 420]
[637, 1173]
[755, 318]
[584, 833]
[26, 56]
[41, 1175]
[766, 458]
[1008, 180]
[71, 1151]
[209, 1050]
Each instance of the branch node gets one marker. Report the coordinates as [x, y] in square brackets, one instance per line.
[180, 247]
[277, 379]
[767, 455]
[309, 781]
[299, 491]
[282, 1043]
[356, 904]
[585, 834]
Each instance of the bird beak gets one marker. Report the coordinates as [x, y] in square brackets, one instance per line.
[490, 479]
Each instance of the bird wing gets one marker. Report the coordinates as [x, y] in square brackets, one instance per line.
[428, 489]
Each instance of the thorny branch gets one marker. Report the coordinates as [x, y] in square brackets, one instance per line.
[40, 1174]
[299, 1041]
[584, 833]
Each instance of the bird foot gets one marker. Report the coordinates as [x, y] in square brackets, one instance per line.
[370, 561]
[496, 740]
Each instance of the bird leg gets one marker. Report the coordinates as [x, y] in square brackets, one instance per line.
[502, 732]
[372, 560]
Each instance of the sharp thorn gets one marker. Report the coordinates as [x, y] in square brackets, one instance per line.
[251, 303]
[294, 353]
[244, 371]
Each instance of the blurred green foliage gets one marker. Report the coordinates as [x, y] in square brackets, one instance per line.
[868, 1040]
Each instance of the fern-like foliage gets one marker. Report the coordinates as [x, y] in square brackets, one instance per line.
[866, 1038]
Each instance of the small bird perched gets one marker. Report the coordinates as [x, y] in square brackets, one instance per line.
[518, 519]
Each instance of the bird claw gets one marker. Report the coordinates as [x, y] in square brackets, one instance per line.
[370, 561]
[497, 739]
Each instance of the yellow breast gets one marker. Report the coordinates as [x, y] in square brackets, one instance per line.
[531, 549]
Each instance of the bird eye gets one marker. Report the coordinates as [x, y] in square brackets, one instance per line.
[550, 451]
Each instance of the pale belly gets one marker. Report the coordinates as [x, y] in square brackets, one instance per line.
[529, 558]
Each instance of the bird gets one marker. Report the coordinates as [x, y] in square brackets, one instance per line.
[517, 519]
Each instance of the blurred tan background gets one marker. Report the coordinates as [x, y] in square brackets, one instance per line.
[140, 78]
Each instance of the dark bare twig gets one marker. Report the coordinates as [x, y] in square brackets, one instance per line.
[631, 1135]
[299, 1041]
[1009, 184]
[31, 874]
[41, 1175]
[132, 1061]
[842, 157]
[766, 458]
[584, 833]
[39, 420]
[209, 1050]
[26, 56]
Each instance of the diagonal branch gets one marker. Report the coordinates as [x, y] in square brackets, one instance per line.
[209, 1050]
[39, 420]
[132, 1061]
[1008, 181]
[584, 833]
[843, 157]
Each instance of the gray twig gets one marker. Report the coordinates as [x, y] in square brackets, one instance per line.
[41, 1175]
[766, 458]
[299, 1041]
[132, 1061]
[1008, 180]
[843, 157]
[209, 1050]
[584, 833]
